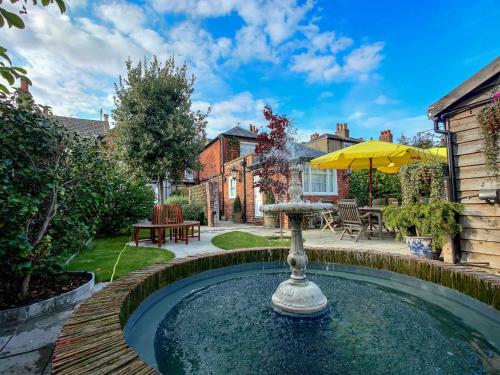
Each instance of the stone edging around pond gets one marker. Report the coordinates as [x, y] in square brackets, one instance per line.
[58, 303]
[92, 340]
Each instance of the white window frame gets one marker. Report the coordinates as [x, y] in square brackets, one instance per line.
[331, 181]
[231, 184]
[247, 143]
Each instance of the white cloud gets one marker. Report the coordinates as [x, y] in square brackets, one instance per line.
[363, 60]
[318, 68]
[125, 17]
[325, 95]
[357, 65]
[195, 8]
[384, 100]
[73, 62]
[242, 109]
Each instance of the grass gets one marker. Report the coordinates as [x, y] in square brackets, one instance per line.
[101, 257]
[241, 240]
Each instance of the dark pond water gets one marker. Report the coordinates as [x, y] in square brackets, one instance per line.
[230, 328]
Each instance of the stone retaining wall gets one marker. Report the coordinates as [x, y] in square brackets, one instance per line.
[92, 341]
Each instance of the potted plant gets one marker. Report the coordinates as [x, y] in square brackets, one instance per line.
[237, 210]
[424, 226]
[271, 219]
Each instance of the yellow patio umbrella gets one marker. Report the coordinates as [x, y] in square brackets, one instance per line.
[438, 153]
[369, 155]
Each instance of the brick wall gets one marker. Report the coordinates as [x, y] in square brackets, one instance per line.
[210, 160]
[241, 184]
[231, 148]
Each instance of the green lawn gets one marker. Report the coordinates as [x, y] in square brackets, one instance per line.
[101, 257]
[240, 240]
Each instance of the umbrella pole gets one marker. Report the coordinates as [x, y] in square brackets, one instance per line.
[370, 182]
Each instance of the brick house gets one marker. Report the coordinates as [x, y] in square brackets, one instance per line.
[327, 143]
[227, 146]
[229, 160]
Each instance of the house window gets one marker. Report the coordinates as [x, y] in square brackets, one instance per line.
[188, 175]
[319, 181]
[232, 187]
[246, 148]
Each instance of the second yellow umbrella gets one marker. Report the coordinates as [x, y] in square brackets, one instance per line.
[369, 155]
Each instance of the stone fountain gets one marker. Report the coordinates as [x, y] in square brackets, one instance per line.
[298, 296]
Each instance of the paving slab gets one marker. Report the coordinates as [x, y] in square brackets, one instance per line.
[26, 347]
[312, 238]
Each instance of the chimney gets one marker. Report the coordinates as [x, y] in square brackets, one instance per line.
[106, 117]
[46, 110]
[314, 136]
[342, 130]
[25, 85]
[386, 136]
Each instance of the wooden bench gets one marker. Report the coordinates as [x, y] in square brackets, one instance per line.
[167, 216]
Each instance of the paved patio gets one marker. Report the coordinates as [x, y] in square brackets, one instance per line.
[312, 237]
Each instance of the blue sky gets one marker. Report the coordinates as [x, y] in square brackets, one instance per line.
[373, 64]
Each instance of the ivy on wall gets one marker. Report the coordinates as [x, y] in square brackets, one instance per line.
[422, 180]
[489, 124]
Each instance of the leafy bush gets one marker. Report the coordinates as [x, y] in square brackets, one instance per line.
[127, 201]
[436, 220]
[51, 193]
[237, 208]
[191, 211]
[180, 192]
[384, 186]
[270, 198]
[177, 199]
[194, 211]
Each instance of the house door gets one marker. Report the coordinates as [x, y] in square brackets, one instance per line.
[257, 198]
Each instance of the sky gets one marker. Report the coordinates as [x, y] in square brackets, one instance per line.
[374, 64]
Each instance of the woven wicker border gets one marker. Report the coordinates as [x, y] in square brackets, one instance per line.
[92, 340]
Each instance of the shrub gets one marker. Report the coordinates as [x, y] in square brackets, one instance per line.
[191, 211]
[384, 186]
[435, 219]
[237, 208]
[127, 201]
[270, 198]
[194, 211]
[51, 193]
[177, 199]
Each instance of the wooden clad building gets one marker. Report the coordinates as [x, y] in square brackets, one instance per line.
[454, 115]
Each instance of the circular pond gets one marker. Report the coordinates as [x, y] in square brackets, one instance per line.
[222, 321]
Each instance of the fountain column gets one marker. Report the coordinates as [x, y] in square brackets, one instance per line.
[298, 296]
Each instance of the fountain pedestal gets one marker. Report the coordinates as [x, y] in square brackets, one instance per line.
[297, 295]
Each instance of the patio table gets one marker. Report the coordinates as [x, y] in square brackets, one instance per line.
[377, 212]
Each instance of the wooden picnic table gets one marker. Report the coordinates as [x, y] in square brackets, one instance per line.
[180, 231]
[377, 212]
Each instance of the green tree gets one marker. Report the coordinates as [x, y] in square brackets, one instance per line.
[159, 135]
[422, 140]
[7, 71]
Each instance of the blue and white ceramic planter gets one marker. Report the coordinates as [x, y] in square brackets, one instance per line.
[420, 246]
